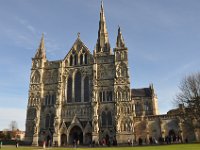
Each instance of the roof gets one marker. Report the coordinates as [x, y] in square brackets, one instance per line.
[144, 92]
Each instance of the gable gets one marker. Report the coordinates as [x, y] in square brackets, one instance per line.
[77, 49]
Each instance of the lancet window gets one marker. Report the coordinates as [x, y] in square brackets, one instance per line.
[78, 87]
[106, 118]
[83, 58]
[69, 89]
[86, 89]
[50, 99]
[49, 120]
[105, 96]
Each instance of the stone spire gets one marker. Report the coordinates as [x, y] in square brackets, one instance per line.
[103, 44]
[41, 49]
[120, 40]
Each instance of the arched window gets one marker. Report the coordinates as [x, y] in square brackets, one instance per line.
[53, 99]
[137, 107]
[46, 99]
[100, 96]
[109, 118]
[109, 95]
[47, 121]
[81, 59]
[52, 120]
[103, 119]
[75, 59]
[86, 89]
[106, 118]
[86, 61]
[71, 60]
[125, 55]
[78, 87]
[104, 96]
[69, 89]
[49, 99]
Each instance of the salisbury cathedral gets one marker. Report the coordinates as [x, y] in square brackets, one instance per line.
[87, 97]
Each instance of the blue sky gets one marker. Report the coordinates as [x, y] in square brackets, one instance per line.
[163, 38]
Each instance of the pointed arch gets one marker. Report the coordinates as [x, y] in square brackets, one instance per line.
[109, 118]
[77, 88]
[86, 89]
[69, 89]
[86, 58]
[81, 59]
[100, 96]
[71, 60]
[103, 119]
[47, 121]
[75, 59]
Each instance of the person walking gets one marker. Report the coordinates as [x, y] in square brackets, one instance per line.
[17, 144]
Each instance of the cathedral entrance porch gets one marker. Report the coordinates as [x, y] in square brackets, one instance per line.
[75, 135]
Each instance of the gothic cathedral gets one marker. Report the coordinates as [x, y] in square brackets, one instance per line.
[87, 97]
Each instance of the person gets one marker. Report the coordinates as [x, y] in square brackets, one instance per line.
[44, 144]
[1, 143]
[129, 142]
[78, 142]
[74, 143]
[17, 144]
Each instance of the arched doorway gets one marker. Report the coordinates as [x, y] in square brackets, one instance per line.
[63, 139]
[75, 135]
[172, 135]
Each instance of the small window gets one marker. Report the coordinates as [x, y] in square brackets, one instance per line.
[71, 60]
[81, 59]
[86, 59]
[100, 96]
[75, 59]
[104, 96]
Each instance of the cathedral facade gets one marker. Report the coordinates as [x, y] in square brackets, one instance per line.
[87, 97]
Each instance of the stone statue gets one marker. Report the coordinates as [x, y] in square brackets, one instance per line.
[35, 124]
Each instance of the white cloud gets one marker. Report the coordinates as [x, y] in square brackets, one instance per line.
[9, 114]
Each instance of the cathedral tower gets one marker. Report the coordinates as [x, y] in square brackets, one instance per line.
[35, 95]
[124, 107]
[104, 72]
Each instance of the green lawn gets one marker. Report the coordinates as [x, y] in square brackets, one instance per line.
[164, 147]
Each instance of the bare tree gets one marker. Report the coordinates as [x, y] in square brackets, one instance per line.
[189, 96]
[13, 126]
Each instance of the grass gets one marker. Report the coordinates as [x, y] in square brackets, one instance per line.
[162, 147]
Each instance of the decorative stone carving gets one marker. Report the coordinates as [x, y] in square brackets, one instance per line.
[35, 126]
[56, 125]
[31, 113]
[35, 77]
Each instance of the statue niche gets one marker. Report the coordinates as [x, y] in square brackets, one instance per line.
[121, 70]
[35, 77]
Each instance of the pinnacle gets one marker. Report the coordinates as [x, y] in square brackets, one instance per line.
[41, 49]
[120, 40]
